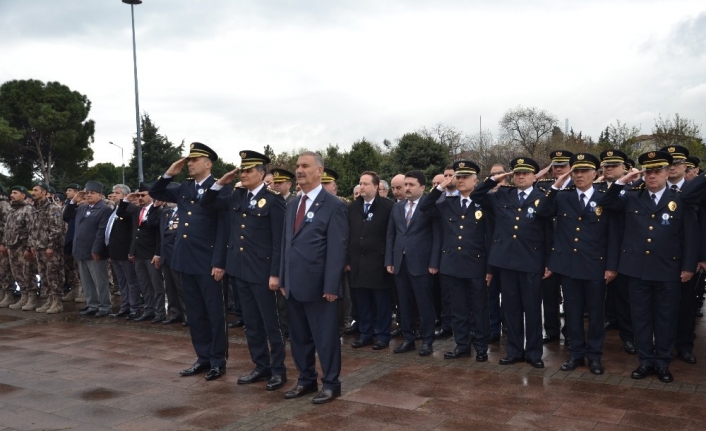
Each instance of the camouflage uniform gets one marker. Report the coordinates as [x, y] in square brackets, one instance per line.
[46, 231]
[15, 238]
[7, 283]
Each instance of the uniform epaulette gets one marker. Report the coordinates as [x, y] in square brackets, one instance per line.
[638, 187]
[570, 188]
[544, 180]
[274, 192]
[509, 186]
[599, 182]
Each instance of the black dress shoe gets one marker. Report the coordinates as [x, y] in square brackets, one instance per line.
[536, 364]
[254, 376]
[509, 360]
[215, 373]
[195, 369]
[642, 371]
[629, 347]
[595, 367]
[481, 356]
[611, 325]
[172, 319]
[379, 345]
[101, 314]
[120, 313]
[687, 357]
[396, 333]
[157, 320]
[456, 353]
[406, 346]
[353, 329]
[664, 375]
[86, 308]
[550, 339]
[442, 333]
[361, 343]
[326, 396]
[299, 390]
[238, 323]
[132, 316]
[494, 338]
[426, 350]
[144, 317]
[276, 382]
[88, 312]
[572, 364]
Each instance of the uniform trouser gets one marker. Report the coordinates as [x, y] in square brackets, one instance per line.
[415, 293]
[686, 320]
[94, 278]
[71, 273]
[313, 328]
[205, 308]
[580, 295]
[374, 318]
[127, 284]
[469, 296]
[522, 297]
[551, 294]
[152, 287]
[621, 297]
[611, 316]
[654, 306]
[7, 283]
[51, 271]
[282, 310]
[21, 269]
[494, 310]
[174, 291]
[261, 316]
[445, 306]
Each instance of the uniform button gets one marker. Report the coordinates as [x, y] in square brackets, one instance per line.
[189, 213]
[242, 226]
[517, 218]
[578, 229]
[647, 252]
[576, 240]
[186, 224]
[184, 236]
[460, 227]
[242, 237]
[519, 210]
[245, 215]
[516, 227]
[575, 250]
[653, 216]
[514, 236]
[241, 249]
[459, 248]
[459, 237]
[649, 239]
[463, 217]
[651, 227]
[579, 218]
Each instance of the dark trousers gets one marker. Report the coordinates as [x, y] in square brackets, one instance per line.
[374, 318]
[282, 310]
[350, 312]
[415, 292]
[313, 328]
[262, 319]
[522, 306]
[445, 298]
[494, 310]
[203, 297]
[580, 295]
[469, 296]
[686, 319]
[127, 284]
[174, 291]
[654, 306]
[152, 286]
[618, 288]
[551, 296]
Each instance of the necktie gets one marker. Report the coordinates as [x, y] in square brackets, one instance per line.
[654, 199]
[582, 203]
[464, 205]
[142, 215]
[522, 197]
[198, 187]
[674, 187]
[300, 213]
[408, 217]
[249, 198]
[367, 208]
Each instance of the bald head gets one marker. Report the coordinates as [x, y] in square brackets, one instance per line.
[438, 179]
[397, 186]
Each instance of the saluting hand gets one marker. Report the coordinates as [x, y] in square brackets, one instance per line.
[562, 178]
[228, 178]
[444, 184]
[132, 197]
[631, 176]
[176, 167]
[541, 174]
[500, 177]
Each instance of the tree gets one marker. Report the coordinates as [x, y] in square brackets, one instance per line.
[363, 156]
[105, 173]
[158, 153]
[44, 128]
[679, 131]
[527, 127]
[413, 151]
[620, 137]
[448, 136]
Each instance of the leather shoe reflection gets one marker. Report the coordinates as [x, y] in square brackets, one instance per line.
[195, 369]
[215, 373]
[300, 390]
[326, 396]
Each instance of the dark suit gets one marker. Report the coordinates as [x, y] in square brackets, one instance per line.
[168, 226]
[312, 263]
[660, 241]
[201, 244]
[89, 239]
[519, 248]
[585, 245]
[464, 265]
[119, 243]
[368, 277]
[254, 253]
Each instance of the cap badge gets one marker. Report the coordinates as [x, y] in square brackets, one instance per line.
[520, 161]
[461, 165]
[276, 174]
[651, 155]
[609, 153]
[580, 157]
[671, 149]
[557, 154]
[192, 146]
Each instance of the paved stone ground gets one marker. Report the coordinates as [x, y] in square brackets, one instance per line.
[73, 373]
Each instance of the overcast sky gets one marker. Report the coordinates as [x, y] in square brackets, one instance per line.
[239, 74]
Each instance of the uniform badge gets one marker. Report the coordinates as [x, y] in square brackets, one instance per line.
[672, 206]
[201, 191]
[622, 192]
[253, 202]
[261, 203]
[370, 216]
[479, 214]
[593, 206]
[530, 212]
[309, 217]
[536, 203]
[665, 219]
[599, 211]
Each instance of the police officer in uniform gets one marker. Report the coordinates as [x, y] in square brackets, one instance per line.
[328, 181]
[659, 252]
[254, 251]
[519, 248]
[200, 257]
[584, 255]
[282, 182]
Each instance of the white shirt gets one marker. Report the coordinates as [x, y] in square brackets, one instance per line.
[679, 185]
[566, 183]
[468, 200]
[588, 193]
[310, 197]
[658, 193]
[109, 227]
[527, 191]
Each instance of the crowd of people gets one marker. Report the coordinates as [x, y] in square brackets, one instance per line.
[620, 246]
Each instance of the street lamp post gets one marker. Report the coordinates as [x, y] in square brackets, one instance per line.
[122, 158]
[140, 176]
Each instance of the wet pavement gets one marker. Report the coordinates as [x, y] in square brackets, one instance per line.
[81, 373]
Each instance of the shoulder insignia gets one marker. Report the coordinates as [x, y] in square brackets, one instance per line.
[510, 186]
[569, 189]
[189, 179]
[638, 187]
[344, 199]
[274, 192]
[599, 182]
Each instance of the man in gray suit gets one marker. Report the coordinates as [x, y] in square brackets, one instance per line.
[90, 251]
[313, 255]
